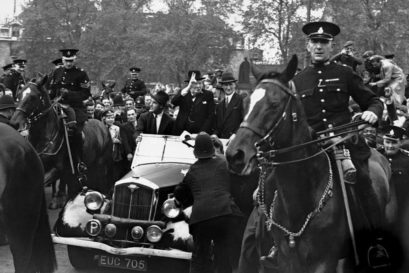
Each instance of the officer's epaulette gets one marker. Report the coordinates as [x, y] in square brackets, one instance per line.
[405, 152]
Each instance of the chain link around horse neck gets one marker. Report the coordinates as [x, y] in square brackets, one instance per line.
[269, 214]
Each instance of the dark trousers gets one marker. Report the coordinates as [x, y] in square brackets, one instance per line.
[225, 233]
[360, 153]
[76, 143]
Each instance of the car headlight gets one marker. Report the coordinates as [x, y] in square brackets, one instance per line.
[170, 209]
[137, 232]
[154, 234]
[93, 200]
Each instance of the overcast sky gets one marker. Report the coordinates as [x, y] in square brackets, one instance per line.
[7, 7]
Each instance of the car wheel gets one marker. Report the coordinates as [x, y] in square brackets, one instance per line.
[80, 258]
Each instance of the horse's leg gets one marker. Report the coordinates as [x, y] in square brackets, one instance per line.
[249, 258]
[53, 204]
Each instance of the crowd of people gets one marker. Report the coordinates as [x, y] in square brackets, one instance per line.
[212, 105]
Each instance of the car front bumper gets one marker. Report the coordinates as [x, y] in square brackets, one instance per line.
[88, 243]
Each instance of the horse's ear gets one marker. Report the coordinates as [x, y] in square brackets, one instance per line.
[290, 70]
[257, 73]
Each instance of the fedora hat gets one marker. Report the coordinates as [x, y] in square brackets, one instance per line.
[198, 76]
[7, 102]
[227, 77]
[161, 97]
[203, 146]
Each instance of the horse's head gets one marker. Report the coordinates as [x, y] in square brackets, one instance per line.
[32, 99]
[267, 116]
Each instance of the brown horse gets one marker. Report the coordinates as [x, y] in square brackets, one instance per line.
[23, 201]
[301, 205]
[46, 134]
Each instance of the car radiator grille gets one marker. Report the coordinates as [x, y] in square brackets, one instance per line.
[133, 201]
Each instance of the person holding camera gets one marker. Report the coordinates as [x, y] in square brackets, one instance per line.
[346, 56]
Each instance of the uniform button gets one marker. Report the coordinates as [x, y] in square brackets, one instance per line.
[321, 90]
[319, 71]
[330, 126]
[322, 100]
[324, 120]
[303, 96]
[323, 110]
[338, 89]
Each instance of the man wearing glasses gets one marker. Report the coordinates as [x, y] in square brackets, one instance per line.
[229, 112]
[196, 106]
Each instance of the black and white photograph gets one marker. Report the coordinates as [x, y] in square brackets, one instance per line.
[204, 136]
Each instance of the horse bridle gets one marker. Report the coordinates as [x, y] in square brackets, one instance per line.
[269, 136]
[32, 118]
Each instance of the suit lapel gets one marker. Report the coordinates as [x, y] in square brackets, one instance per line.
[231, 105]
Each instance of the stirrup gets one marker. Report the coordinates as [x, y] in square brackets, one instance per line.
[378, 256]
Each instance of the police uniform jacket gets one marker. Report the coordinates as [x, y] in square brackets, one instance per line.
[134, 87]
[228, 118]
[76, 81]
[208, 182]
[325, 91]
[13, 81]
[195, 114]
[400, 173]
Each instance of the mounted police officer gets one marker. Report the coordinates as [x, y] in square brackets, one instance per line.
[325, 89]
[72, 84]
[134, 87]
[14, 80]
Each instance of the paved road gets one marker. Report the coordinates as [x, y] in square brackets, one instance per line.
[64, 266]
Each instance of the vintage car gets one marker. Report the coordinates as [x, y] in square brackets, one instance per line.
[139, 228]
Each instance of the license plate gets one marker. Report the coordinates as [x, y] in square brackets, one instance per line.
[133, 263]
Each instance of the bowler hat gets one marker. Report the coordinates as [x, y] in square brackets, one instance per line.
[394, 132]
[389, 55]
[198, 76]
[227, 77]
[7, 102]
[161, 97]
[203, 146]
[321, 30]
[118, 101]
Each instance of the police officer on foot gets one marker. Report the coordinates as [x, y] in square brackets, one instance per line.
[399, 160]
[215, 216]
[134, 87]
[325, 89]
[14, 80]
[72, 84]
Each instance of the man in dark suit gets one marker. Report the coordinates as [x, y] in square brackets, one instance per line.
[156, 121]
[229, 112]
[215, 216]
[196, 107]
